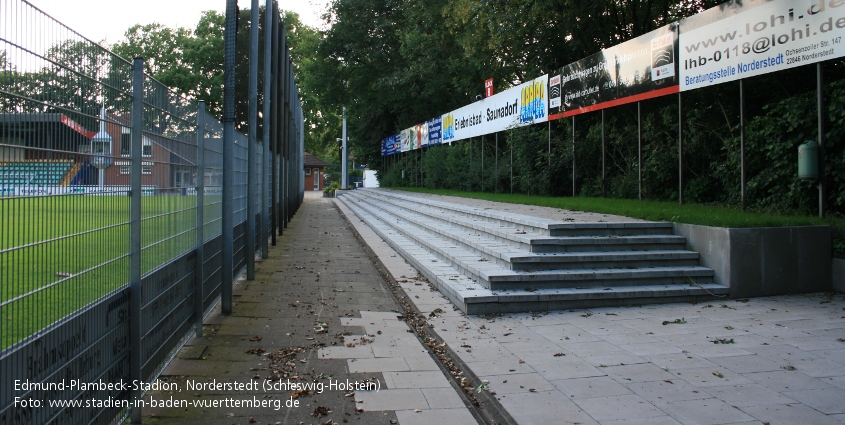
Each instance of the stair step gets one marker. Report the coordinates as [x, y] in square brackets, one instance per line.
[508, 254]
[551, 244]
[538, 225]
[494, 272]
[472, 298]
[537, 241]
[605, 259]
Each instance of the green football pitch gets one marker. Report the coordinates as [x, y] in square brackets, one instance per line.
[60, 253]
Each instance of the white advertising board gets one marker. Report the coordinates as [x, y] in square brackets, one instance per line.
[739, 41]
[524, 104]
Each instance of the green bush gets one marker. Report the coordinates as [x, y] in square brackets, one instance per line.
[331, 187]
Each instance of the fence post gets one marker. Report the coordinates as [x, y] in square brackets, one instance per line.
[680, 151]
[282, 130]
[573, 156]
[640, 150]
[136, 360]
[274, 130]
[742, 185]
[252, 121]
[821, 112]
[228, 218]
[603, 158]
[199, 276]
[265, 136]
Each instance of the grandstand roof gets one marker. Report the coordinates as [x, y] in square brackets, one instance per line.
[39, 129]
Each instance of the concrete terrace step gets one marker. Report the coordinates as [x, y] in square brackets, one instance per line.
[483, 264]
[511, 255]
[592, 260]
[606, 243]
[472, 298]
[538, 225]
[534, 242]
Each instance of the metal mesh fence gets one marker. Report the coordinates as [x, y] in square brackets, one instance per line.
[111, 227]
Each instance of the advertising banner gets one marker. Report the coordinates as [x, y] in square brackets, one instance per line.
[638, 69]
[42, 190]
[405, 138]
[390, 145]
[435, 131]
[739, 40]
[524, 104]
[422, 135]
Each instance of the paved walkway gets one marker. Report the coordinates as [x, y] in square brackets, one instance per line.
[777, 360]
[320, 311]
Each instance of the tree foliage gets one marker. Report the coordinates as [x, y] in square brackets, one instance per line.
[191, 62]
[396, 63]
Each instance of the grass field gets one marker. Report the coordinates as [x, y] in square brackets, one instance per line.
[59, 253]
[706, 215]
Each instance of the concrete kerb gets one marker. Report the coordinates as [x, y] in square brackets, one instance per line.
[489, 409]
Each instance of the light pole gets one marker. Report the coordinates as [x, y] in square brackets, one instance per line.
[344, 170]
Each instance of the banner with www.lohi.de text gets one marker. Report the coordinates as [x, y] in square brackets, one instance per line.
[743, 39]
[524, 104]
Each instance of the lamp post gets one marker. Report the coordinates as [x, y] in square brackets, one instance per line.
[344, 170]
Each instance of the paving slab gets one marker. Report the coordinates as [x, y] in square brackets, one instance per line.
[668, 391]
[750, 395]
[544, 407]
[517, 383]
[710, 411]
[435, 416]
[790, 414]
[600, 386]
[629, 406]
[829, 400]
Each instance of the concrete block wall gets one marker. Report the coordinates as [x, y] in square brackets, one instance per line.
[756, 262]
[838, 272]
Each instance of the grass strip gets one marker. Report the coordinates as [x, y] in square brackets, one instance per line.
[706, 215]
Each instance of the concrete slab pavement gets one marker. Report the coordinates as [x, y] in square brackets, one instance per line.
[750, 361]
[315, 339]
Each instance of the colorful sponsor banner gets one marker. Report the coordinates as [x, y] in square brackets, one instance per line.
[390, 145]
[42, 190]
[638, 69]
[405, 139]
[524, 104]
[725, 43]
[422, 135]
[435, 131]
[739, 40]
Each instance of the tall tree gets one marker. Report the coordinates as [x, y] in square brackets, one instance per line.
[191, 61]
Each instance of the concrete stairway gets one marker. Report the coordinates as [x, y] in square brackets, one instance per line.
[489, 261]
